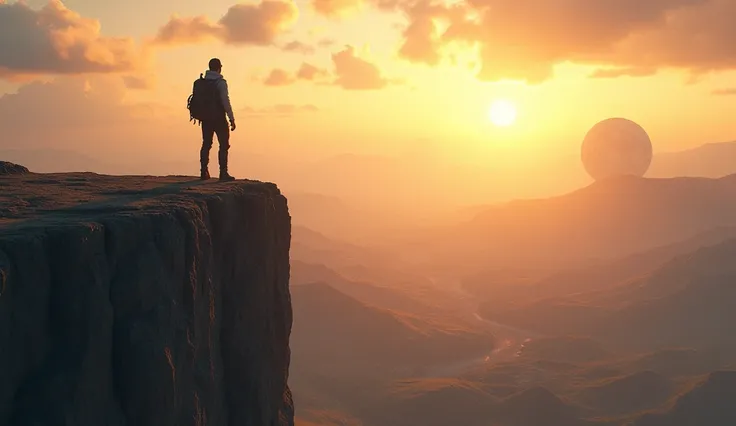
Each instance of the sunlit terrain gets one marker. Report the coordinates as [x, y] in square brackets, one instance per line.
[621, 323]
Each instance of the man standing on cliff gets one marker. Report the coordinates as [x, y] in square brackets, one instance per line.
[210, 104]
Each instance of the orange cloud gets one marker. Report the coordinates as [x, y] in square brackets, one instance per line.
[354, 73]
[421, 43]
[310, 72]
[57, 40]
[524, 40]
[278, 77]
[334, 8]
[725, 92]
[138, 82]
[72, 108]
[422, 40]
[187, 30]
[281, 77]
[298, 46]
[326, 42]
[243, 24]
[340, 8]
[350, 73]
[623, 72]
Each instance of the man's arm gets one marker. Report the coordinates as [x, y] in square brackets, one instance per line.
[225, 96]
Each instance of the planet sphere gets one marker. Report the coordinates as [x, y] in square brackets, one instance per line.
[616, 147]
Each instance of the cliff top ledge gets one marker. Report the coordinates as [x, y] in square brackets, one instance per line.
[39, 199]
[146, 301]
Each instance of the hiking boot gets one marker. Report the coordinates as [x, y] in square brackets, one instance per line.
[225, 177]
[204, 175]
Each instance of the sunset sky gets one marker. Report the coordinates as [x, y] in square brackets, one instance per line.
[382, 77]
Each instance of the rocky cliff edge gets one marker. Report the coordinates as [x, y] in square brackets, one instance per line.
[143, 301]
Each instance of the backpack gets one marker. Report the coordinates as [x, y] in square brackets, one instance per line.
[204, 104]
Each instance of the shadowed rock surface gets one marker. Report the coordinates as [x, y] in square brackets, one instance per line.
[709, 403]
[535, 407]
[143, 301]
[637, 392]
[7, 168]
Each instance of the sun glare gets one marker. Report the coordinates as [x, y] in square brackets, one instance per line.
[502, 113]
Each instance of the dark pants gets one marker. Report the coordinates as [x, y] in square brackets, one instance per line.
[222, 130]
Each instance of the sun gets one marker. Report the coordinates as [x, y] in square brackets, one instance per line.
[502, 113]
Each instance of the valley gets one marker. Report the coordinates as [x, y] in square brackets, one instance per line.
[628, 339]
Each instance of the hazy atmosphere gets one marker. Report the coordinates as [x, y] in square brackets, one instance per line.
[392, 96]
[500, 213]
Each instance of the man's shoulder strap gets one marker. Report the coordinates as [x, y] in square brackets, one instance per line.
[207, 82]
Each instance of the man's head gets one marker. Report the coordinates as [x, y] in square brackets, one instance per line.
[215, 65]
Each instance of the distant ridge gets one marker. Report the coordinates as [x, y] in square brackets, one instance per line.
[687, 302]
[608, 219]
[370, 336]
[534, 407]
[709, 403]
[629, 394]
[709, 160]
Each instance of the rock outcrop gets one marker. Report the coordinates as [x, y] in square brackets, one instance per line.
[143, 301]
[7, 168]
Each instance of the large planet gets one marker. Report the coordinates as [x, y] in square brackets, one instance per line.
[616, 147]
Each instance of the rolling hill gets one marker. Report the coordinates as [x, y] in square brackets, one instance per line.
[644, 390]
[607, 220]
[712, 160]
[708, 403]
[332, 330]
[532, 285]
[686, 302]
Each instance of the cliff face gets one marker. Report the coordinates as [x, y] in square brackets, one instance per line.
[143, 301]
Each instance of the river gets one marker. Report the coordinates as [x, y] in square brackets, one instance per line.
[508, 340]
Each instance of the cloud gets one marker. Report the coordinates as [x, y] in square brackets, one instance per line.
[355, 73]
[57, 40]
[88, 113]
[243, 24]
[525, 40]
[350, 72]
[341, 8]
[278, 77]
[310, 72]
[69, 102]
[187, 30]
[298, 46]
[326, 42]
[335, 8]
[280, 110]
[724, 92]
[307, 49]
[138, 82]
[623, 72]
[423, 41]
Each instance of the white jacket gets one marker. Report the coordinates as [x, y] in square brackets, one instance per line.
[224, 94]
